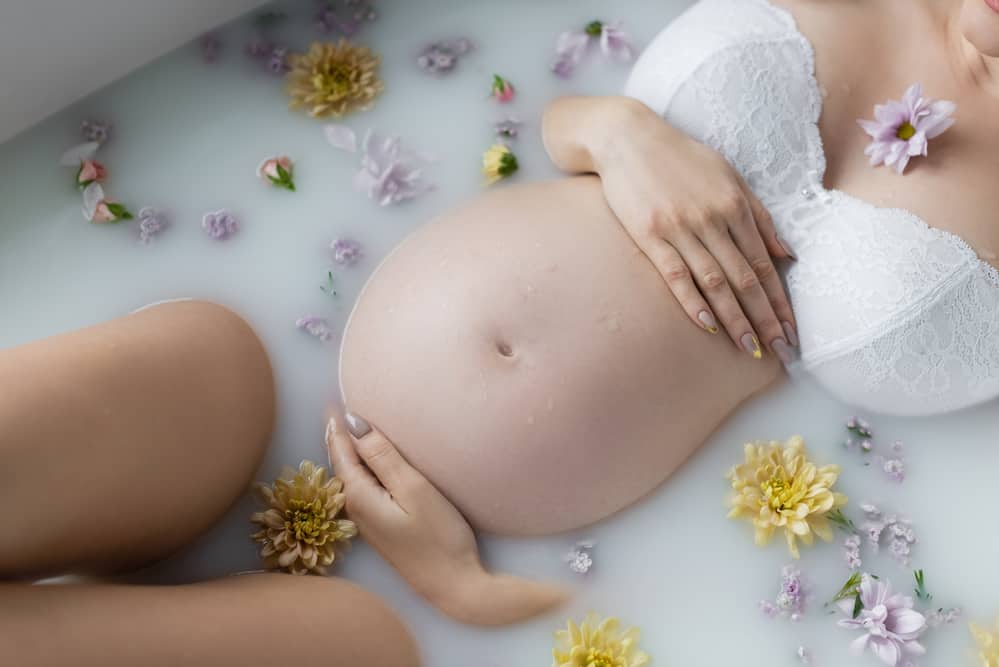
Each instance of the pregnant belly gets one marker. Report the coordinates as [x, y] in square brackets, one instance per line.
[527, 358]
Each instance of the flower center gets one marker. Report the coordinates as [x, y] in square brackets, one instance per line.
[906, 131]
[779, 491]
[335, 81]
[595, 658]
[594, 28]
[307, 520]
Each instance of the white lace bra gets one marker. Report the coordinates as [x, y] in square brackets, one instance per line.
[893, 315]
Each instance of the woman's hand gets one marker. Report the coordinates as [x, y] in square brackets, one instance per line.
[688, 210]
[421, 534]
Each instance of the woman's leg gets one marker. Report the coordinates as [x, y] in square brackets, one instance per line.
[122, 442]
[245, 621]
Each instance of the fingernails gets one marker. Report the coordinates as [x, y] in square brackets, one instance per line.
[782, 350]
[787, 247]
[357, 426]
[792, 335]
[752, 345]
[708, 320]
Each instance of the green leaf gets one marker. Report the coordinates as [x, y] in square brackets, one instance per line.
[858, 606]
[841, 521]
[283, 173]
[119, 211]
[849, 589]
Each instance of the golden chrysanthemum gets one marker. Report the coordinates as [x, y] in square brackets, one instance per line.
[988, 645]
[596, 643]
[778, 487]
[333, 79]
[299, 531]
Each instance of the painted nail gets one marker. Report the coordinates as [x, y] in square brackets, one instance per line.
[792, 335]
[708, 320]
[752, 345]
[782, 350]
[787, 247]
[357, 426]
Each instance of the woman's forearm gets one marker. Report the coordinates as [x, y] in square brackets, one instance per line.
[579, 132]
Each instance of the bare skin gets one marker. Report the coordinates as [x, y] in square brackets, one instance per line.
[123, 442]
[484, 319]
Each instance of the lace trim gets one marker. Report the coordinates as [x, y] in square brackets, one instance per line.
[819, 153]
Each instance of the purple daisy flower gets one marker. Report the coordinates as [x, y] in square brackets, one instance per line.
[890, 626]
[902, 128]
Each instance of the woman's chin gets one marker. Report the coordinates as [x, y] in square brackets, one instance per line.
[979, 24]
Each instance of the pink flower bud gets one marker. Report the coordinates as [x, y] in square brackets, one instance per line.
[277, 171]
[103, 213]
[90, 172]
[502, 89]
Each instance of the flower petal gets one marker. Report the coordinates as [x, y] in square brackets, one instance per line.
[341, 136]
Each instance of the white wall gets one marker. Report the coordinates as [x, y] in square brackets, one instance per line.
[53, 52]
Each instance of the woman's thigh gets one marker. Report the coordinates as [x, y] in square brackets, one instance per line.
[124, 441]
[245, 621]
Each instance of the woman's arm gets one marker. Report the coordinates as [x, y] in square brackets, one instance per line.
[422, 535]
[687, 209]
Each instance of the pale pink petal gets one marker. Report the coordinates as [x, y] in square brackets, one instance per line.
[917, 145]
[77, 154]
[93, 195]
[858, 645]
[341, 136]
[887, 650]
[904, 621]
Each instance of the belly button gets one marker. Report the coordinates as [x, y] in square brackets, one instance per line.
[504, 349]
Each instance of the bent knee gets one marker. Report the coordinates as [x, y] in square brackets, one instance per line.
[355, 623]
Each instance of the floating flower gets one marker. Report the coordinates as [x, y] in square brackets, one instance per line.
[894, 530]
[277, 171]
[790, 602]
[851, 552]
[442, 57]
[388, 174]
[220, 225]
[778, 487]
[300, 531]
[902, 128]
[151, 223]
[315, 326]
[97, 208]
[936, 618]
[90, 171]
[502, 89]
[333, 79]
[571, 46]
[345, 252]
[211, 47]
[95, 131]
[498, 162]
[987, 644]
[596, 643]
[580, 557]
[330, 20]
[891, 627]
[508, 128]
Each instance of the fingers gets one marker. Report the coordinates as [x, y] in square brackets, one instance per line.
[713, 283]
[381, 457]
[774, 244]
[678, 278]
[357, 479]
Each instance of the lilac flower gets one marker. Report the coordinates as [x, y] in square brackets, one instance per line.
[151, 223]
[508, 127]
[220, 225]
[277, 62]
[211, 47]
[939, 617]
[902, 128]
[315, 326]
[894, 468]
[345, 252]
[580, 557]
[891, 627]
[329, 20]
[615, 44]
[851, 552]
[896, 531]
[442, 57]
[388, 174]
[804, 655]
[95, 131]
[571, 46]
[790, 601]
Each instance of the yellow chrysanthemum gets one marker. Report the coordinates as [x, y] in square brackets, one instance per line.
[596, 643]
[778, 487]
[988, 645]
[498, 162]
[300, 532]
[333, 79]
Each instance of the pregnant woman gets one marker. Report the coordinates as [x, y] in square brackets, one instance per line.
[551, 352]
